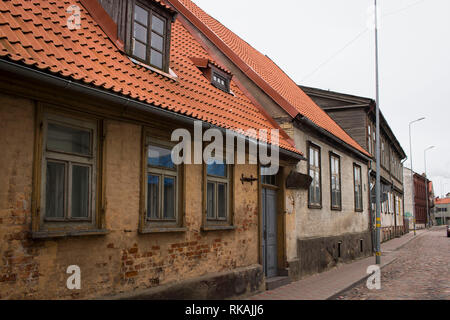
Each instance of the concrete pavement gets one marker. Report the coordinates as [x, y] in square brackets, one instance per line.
[329, 284]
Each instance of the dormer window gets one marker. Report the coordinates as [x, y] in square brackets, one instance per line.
[150, 34]
[219, 76]
[220, 82]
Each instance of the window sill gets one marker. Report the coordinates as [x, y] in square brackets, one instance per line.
[314, 207]
[336, 209]
[69, 233]
[162, 230]
[218, 228]
[171, 75]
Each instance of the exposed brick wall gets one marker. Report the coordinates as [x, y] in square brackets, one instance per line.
[123, 260]
[18, 265]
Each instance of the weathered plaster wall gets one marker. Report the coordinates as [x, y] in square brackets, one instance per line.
[123, 260]
[325, 222]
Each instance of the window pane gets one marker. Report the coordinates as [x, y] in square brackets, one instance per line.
[157, 24]
[311, 156]
[160, 157]
[210, 203]
[217, 169]
[169, 198]
[140, 33]
[80, 192]
[67, 139]
[54, 194]
[222, 200]
[140, 50]
[153, 197]
[317, 199]
[156, 59]
[316, 158]
[140, 15]
[157, 42]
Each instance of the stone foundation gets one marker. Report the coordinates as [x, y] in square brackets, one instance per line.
[217, 286]
[320, 254]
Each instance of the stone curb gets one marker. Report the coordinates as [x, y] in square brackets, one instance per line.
[336, 295]
[358, 282]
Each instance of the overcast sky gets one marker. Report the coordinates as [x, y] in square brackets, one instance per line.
[322, 43]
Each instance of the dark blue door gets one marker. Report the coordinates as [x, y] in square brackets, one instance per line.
[269, 243]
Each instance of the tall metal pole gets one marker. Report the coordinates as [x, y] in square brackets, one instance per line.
[426, 181]
[412, 174]
[378, 167]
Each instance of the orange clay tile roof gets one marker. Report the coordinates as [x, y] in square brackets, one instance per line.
[443, 201]
[262, 70]
[34, 33]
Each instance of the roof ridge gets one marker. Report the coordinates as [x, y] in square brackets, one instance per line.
[294, 102]
[88, 56]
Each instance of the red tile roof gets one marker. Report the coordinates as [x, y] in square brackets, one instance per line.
[442, 200]
[262, 70]
[34, 33]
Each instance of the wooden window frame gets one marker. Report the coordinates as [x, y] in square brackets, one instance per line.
[369, 140]
[361, 209]
[215, 72]
[152, 9]
[217, 224]
[336, 156]
[147, 225]
[319, 204]
[43, 227]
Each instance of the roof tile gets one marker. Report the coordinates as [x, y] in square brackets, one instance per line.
[286, 91]
[35, 33]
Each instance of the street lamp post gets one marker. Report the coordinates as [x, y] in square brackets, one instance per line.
[426, 181]
[378, 166]
[412, 173]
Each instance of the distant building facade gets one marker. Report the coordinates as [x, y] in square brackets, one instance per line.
[420, 199]
[356, 115]
[441, 211]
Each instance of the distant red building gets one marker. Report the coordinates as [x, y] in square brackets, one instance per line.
[420, 196]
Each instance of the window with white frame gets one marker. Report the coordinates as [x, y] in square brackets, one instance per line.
[162, 187]
[69, 169]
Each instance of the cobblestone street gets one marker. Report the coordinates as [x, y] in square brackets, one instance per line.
[421, 271]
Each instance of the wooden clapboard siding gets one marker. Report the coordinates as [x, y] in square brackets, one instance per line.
[353, 121]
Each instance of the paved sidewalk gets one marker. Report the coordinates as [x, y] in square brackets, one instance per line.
[325, 285]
